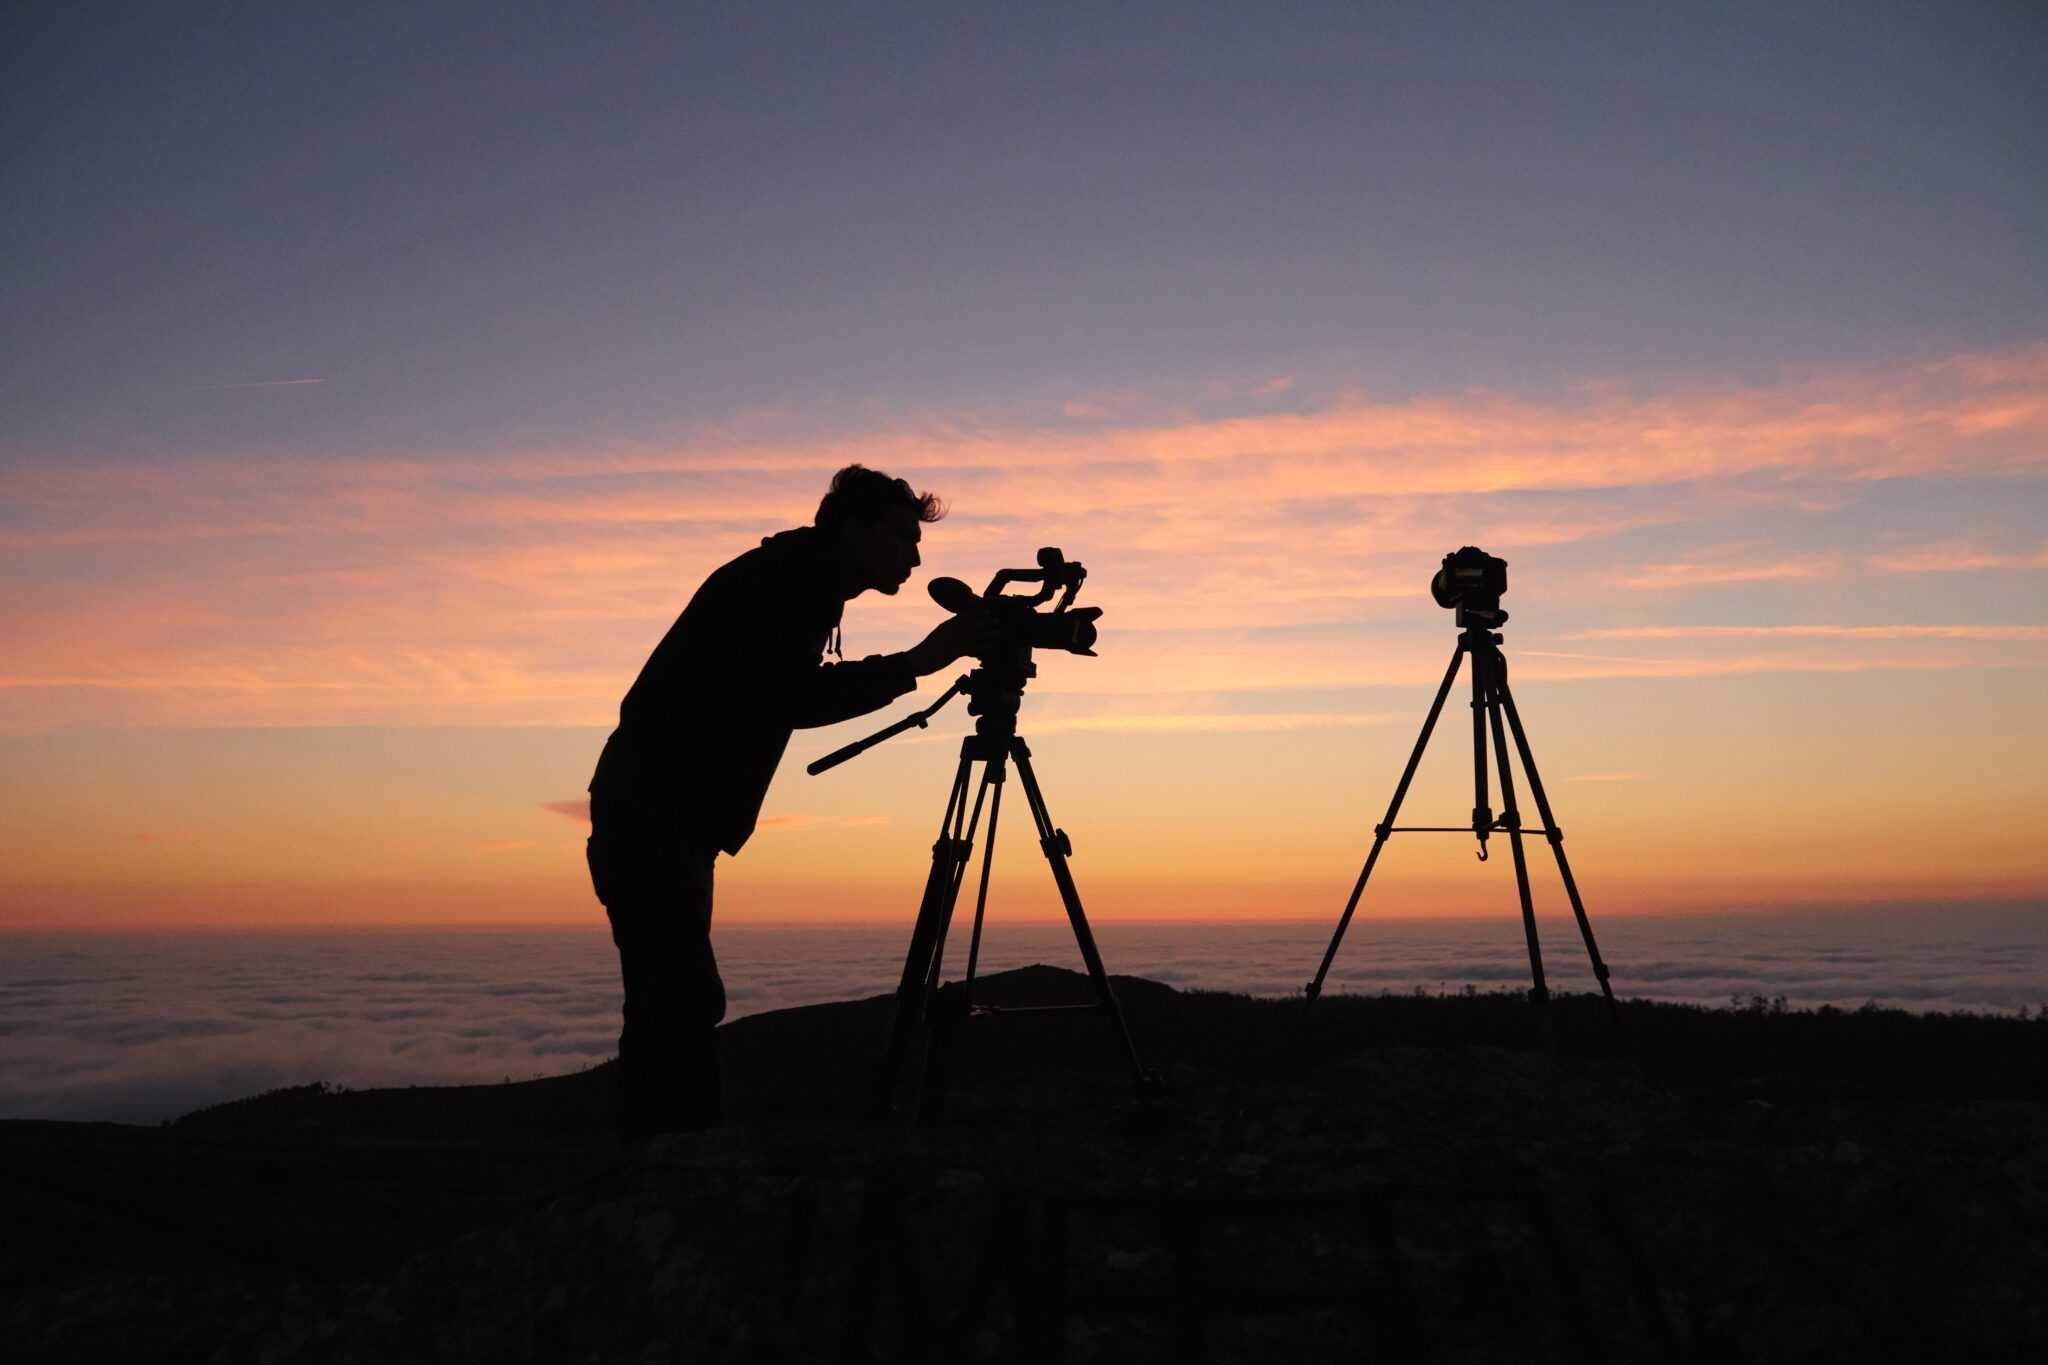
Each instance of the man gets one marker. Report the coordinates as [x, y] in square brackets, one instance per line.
[700, 733]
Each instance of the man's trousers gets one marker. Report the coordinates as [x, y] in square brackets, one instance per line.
[659, 903]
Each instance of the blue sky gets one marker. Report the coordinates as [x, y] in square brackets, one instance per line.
[482, 223]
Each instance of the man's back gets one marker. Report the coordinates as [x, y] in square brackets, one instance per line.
[699, 735]
[704, 725]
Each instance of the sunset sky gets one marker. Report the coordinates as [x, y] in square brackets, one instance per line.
[382, 379]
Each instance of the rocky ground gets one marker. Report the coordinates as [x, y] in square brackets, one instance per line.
[1418, 1180]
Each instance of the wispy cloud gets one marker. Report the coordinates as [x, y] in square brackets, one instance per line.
[1720, 570]
[796, 824]
[1745, 564]
[506, 845]
[1955, 557]
[577, 810]
[1262, 549]
[253, 384]
[2032, 634]
[1211, 723]
[1574, 665]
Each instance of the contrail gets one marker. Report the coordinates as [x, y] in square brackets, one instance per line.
[251, 384]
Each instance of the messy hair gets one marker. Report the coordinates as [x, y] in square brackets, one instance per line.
[862, 494]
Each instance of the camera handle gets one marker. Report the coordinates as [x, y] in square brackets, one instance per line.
[860, 746]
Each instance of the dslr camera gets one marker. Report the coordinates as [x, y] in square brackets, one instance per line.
[1471, 583]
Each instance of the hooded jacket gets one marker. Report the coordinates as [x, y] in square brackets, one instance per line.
[703, 727]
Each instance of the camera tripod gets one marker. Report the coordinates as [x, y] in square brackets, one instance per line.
[1492, 704]
[923, 1004]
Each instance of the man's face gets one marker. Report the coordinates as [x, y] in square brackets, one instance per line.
[881, 553]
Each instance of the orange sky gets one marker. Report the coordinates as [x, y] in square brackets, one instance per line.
[1775, 642]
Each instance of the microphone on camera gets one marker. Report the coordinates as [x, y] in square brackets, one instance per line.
[952, 594]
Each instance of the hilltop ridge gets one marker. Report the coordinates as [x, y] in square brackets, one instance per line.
[1752, 1183]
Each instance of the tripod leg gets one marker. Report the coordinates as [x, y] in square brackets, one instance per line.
[1539, 993]
[1482, 805]
[1056, 847]
[1564, 868]
[1380, 833]
[964, 850]
[951, 1006]
[927, 938]
[992, 776]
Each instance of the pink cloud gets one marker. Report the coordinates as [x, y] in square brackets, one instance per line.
[1209, 722]
[1730, 565]
[1557, 665]
[2031, 634]
[579, 810]
[526, 590]
[791, 824]
[1942, 419]
[1715, 570]
[1954, 557]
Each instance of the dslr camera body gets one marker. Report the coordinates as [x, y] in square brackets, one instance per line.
[1471, 583]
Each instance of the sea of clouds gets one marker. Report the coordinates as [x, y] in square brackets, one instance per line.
[136, 1028]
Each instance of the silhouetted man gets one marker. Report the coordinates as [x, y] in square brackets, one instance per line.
[700, 733]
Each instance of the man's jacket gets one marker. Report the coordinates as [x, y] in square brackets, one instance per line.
[705, 724]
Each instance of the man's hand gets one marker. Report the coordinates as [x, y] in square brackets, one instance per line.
[956, 637]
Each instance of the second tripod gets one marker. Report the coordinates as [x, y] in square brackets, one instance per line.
[1494, 713]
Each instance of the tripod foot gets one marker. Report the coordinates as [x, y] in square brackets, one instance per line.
[1152, 1109]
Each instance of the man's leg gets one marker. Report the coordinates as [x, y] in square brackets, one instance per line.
[668, 1051]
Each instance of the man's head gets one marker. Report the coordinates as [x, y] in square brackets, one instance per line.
[875, 522]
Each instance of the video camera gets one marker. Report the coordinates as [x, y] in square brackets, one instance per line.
[996, 687]
[1021, 626]
[1472, 581]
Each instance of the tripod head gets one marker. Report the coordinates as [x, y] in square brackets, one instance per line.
[995, 690]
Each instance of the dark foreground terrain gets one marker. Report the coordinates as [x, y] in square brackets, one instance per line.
[1423, 1183]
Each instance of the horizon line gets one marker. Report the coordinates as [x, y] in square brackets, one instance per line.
[1904, 905]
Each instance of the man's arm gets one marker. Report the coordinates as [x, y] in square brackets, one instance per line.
[829, 693]
[825, 694]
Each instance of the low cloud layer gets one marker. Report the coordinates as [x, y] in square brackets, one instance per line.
[138, 1028]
